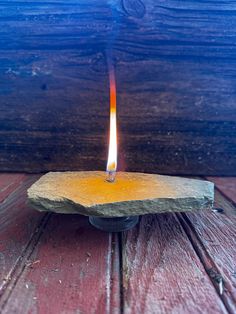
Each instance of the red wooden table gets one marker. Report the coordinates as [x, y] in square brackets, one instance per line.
[169, 263]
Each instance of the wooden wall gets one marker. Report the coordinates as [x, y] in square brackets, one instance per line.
[176, 82]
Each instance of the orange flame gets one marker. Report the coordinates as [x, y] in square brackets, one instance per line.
[112, 153]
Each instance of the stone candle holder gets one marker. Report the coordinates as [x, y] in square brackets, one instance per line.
[116, 206]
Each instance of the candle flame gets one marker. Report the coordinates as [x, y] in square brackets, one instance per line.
[112, 153]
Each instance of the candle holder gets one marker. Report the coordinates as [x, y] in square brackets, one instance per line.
[131, 195]
[115, 224]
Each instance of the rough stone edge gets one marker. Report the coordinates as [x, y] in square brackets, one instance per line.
[121, 209]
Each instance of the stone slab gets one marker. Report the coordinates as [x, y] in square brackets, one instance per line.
[88, 193]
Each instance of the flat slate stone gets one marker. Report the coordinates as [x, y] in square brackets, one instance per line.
[88, 193]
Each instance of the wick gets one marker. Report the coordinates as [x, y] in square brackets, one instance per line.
[111, 175]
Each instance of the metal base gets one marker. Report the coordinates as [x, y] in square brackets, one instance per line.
[116, 224]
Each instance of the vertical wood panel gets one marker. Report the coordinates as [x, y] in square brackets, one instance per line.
[176, 84]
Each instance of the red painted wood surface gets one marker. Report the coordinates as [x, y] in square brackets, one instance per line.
[214, 236]
[169, 263]
[162, 273]
[18, 224]
[70, 271]
[70, 267]
[8, 183]
[226, 185]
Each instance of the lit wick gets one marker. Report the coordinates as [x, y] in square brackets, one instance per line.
[112, 152]
[111, 176]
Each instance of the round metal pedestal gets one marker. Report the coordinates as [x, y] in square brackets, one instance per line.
[116, 224]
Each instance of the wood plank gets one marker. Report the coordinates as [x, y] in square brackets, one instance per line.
[162, 273]
[175, 81]
[227, 186]
[18, 224]
[8, 183]
[73, 269]
[224, 205]
[213, 236]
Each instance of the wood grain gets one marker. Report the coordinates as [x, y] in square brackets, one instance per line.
[8, 183]
[170, 263]
[18, 227]
[73, 269]
[227, 186]
[39, 260]
[175, 81]
[162, 273]
[213, 236]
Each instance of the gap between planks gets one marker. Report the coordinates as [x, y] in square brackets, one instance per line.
[223, 286]
[92, 283]
[114, 271]
[116, 252]
[120, 242]
[210, 267]
[162, 272]
[113, 285]
[16, 186]
[215, 265]
[22, 262]
[13, 186]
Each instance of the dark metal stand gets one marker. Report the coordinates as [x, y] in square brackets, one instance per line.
[116, 224]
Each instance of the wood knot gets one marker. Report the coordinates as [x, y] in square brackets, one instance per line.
[134, 8]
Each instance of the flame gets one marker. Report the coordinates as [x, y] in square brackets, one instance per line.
[112, 153]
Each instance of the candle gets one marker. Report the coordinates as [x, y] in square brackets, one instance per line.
[88, 193]
[115, 200]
